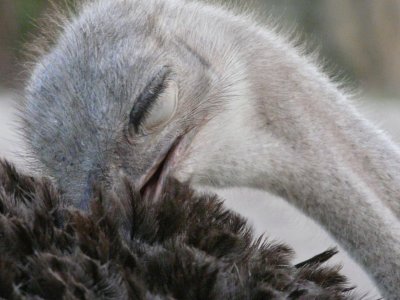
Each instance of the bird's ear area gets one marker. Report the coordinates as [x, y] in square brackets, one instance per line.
[156, 105]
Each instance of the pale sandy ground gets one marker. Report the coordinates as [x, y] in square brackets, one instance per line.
[268, 214]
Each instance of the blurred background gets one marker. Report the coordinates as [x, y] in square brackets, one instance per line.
[358, 41]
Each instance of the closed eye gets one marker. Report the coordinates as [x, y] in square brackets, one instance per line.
[147, 99]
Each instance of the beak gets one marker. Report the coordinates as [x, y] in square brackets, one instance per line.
[151, 185]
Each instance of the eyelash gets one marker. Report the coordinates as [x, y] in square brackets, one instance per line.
[147, 99]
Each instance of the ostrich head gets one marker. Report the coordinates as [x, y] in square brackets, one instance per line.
[118, 95]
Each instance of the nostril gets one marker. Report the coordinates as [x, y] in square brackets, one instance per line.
[87, 195]
[91, 178]
[88, 190]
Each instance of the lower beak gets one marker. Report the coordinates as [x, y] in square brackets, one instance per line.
[152, 184]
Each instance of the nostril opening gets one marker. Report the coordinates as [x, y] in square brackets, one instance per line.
[87, 195]
[91, 178]
[88, 191]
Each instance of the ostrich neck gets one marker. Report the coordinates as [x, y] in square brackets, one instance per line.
[285, 128]
[333, 165]
[294, 134]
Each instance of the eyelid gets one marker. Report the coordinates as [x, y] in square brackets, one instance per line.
[164, 108]
[147, 98]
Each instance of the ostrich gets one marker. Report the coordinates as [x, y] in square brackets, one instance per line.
[171, 88]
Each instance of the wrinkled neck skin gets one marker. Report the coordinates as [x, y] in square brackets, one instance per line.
[288, 130]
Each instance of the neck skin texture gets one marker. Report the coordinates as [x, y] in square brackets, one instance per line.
[288, 130]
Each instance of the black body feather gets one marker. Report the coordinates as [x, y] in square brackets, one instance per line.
[183, 247]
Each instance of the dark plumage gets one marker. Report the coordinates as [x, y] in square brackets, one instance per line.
[183, 247]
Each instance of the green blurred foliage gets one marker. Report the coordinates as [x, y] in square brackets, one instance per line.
[16, 24]
[358, 39]
[26, 12]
